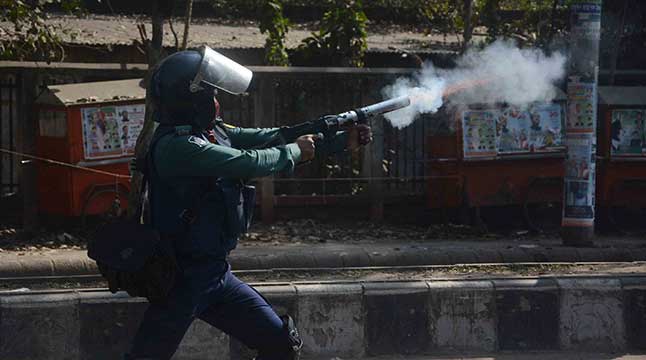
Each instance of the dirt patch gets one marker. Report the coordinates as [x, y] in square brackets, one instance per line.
[302, 231]
[457, 272]
[71, 235]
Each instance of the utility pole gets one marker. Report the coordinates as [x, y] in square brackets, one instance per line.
[577, 227]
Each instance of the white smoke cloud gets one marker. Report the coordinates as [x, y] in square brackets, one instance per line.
[501, 72]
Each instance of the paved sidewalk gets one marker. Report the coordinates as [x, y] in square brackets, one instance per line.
[357, 254]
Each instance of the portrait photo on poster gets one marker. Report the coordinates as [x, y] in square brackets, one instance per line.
[101, 133]
[627, 132]
[479, 132]
[578, 200]
[111, 131]
[546, 127]
[578, 162]
[512, 128]
[581, 107]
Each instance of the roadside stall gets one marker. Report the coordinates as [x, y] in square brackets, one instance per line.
[93, 127]
[500, 155]
[621, 163]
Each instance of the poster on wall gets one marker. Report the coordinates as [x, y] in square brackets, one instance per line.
[579, 204]
[581, 107]
[578, 165]
[627, 132]
[546, 127]
[111, 131]
[131, 121]
[512, 130]
[479, 132]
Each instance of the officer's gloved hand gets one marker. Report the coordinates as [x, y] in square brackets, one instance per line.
[359, 135]
[306, 144]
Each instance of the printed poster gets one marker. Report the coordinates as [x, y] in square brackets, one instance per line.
[582, 107]
[479, 132]
[627, 132]
[546, 127]
[586, 19]
[111, 131]
[579, 202]
[579, 160]
[513, 128]
[131, 121]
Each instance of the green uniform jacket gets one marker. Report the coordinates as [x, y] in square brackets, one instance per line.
[189, 155]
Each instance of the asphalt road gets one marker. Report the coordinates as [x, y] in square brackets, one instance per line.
[518, 356]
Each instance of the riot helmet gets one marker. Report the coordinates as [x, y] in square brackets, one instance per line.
[183, 86]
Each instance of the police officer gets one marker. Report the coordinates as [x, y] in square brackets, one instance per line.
[198, 199]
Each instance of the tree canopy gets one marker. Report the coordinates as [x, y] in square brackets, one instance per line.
[25, 33]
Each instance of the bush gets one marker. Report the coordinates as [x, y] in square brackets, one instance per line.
[276, 25]
[341, 40]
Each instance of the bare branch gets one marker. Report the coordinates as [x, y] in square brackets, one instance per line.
[172, 30]
[62, 50]
[109, 6]
[142, 34]
[187, 23]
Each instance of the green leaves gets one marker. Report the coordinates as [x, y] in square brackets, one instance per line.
[341, 40]
[24, 33]
[276, 26]
[530, 22]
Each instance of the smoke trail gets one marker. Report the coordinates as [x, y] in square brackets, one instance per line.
[499, 73]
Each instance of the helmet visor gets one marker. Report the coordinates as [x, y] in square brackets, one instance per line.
[218, 71]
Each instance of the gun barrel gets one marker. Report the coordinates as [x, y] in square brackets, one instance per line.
[369, 111]
[386, 106]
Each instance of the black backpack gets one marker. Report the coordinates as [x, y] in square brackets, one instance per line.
[131, 255]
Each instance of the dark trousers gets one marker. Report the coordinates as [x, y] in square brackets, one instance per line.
[221, 300]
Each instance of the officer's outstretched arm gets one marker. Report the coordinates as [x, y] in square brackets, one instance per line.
[249, 138]
[187, 156]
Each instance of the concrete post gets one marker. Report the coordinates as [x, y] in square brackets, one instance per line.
[580, 133]
[376, 187]
[264, 116]
[27, 138]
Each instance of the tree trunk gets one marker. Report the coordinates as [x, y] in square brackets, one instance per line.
[552, 22]
[153, 50]
[617, 44]
[468, 25]
[187, 22]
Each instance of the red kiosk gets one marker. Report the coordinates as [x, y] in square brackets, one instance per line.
[500, 156]
[621, 162]
[91, 126]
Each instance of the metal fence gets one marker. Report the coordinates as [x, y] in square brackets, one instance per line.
[303, 97]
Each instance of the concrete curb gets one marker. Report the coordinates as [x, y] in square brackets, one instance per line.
[357, 319]
[77, 263]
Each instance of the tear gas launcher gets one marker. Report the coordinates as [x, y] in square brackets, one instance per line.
[327, 126]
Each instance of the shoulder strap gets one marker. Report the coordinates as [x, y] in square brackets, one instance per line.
[147, 168]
